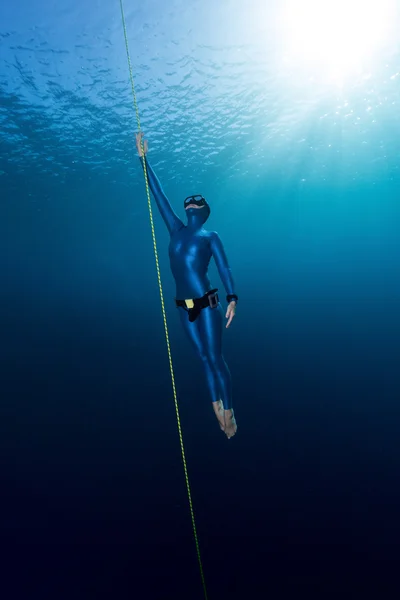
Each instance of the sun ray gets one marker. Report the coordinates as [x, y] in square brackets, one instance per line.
[336, 39]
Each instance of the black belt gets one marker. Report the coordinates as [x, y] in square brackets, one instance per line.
[194, 305]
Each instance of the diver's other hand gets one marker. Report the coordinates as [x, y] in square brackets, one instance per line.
[139, 137]
[230, 313]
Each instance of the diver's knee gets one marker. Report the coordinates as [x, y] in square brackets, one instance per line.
[217, 362]
[203, 357]
[215, 357]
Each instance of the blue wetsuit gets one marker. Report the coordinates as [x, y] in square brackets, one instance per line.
[190, 250]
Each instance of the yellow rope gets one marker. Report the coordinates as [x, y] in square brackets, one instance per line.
[135, 105]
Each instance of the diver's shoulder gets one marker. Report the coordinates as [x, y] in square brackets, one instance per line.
[211, 234]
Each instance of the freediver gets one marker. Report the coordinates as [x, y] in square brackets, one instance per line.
[190, 250]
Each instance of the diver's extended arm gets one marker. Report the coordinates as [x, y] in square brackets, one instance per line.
[221, 261]
[171, 219]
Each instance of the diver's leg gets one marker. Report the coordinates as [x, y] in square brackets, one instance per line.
[193, 332]
[210, 325]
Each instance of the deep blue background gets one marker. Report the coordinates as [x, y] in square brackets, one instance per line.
[304, 500]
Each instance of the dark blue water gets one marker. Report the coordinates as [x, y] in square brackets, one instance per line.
[302, 171]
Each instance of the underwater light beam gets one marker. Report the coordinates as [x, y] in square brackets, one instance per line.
[337, 37]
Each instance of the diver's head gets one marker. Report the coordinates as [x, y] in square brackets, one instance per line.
[197, 210]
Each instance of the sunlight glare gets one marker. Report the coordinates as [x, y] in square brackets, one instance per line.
[338, 36]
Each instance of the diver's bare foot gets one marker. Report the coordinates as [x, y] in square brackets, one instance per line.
[230, 423]
[219, 413]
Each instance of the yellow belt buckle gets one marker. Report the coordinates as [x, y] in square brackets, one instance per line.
[189, 303]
